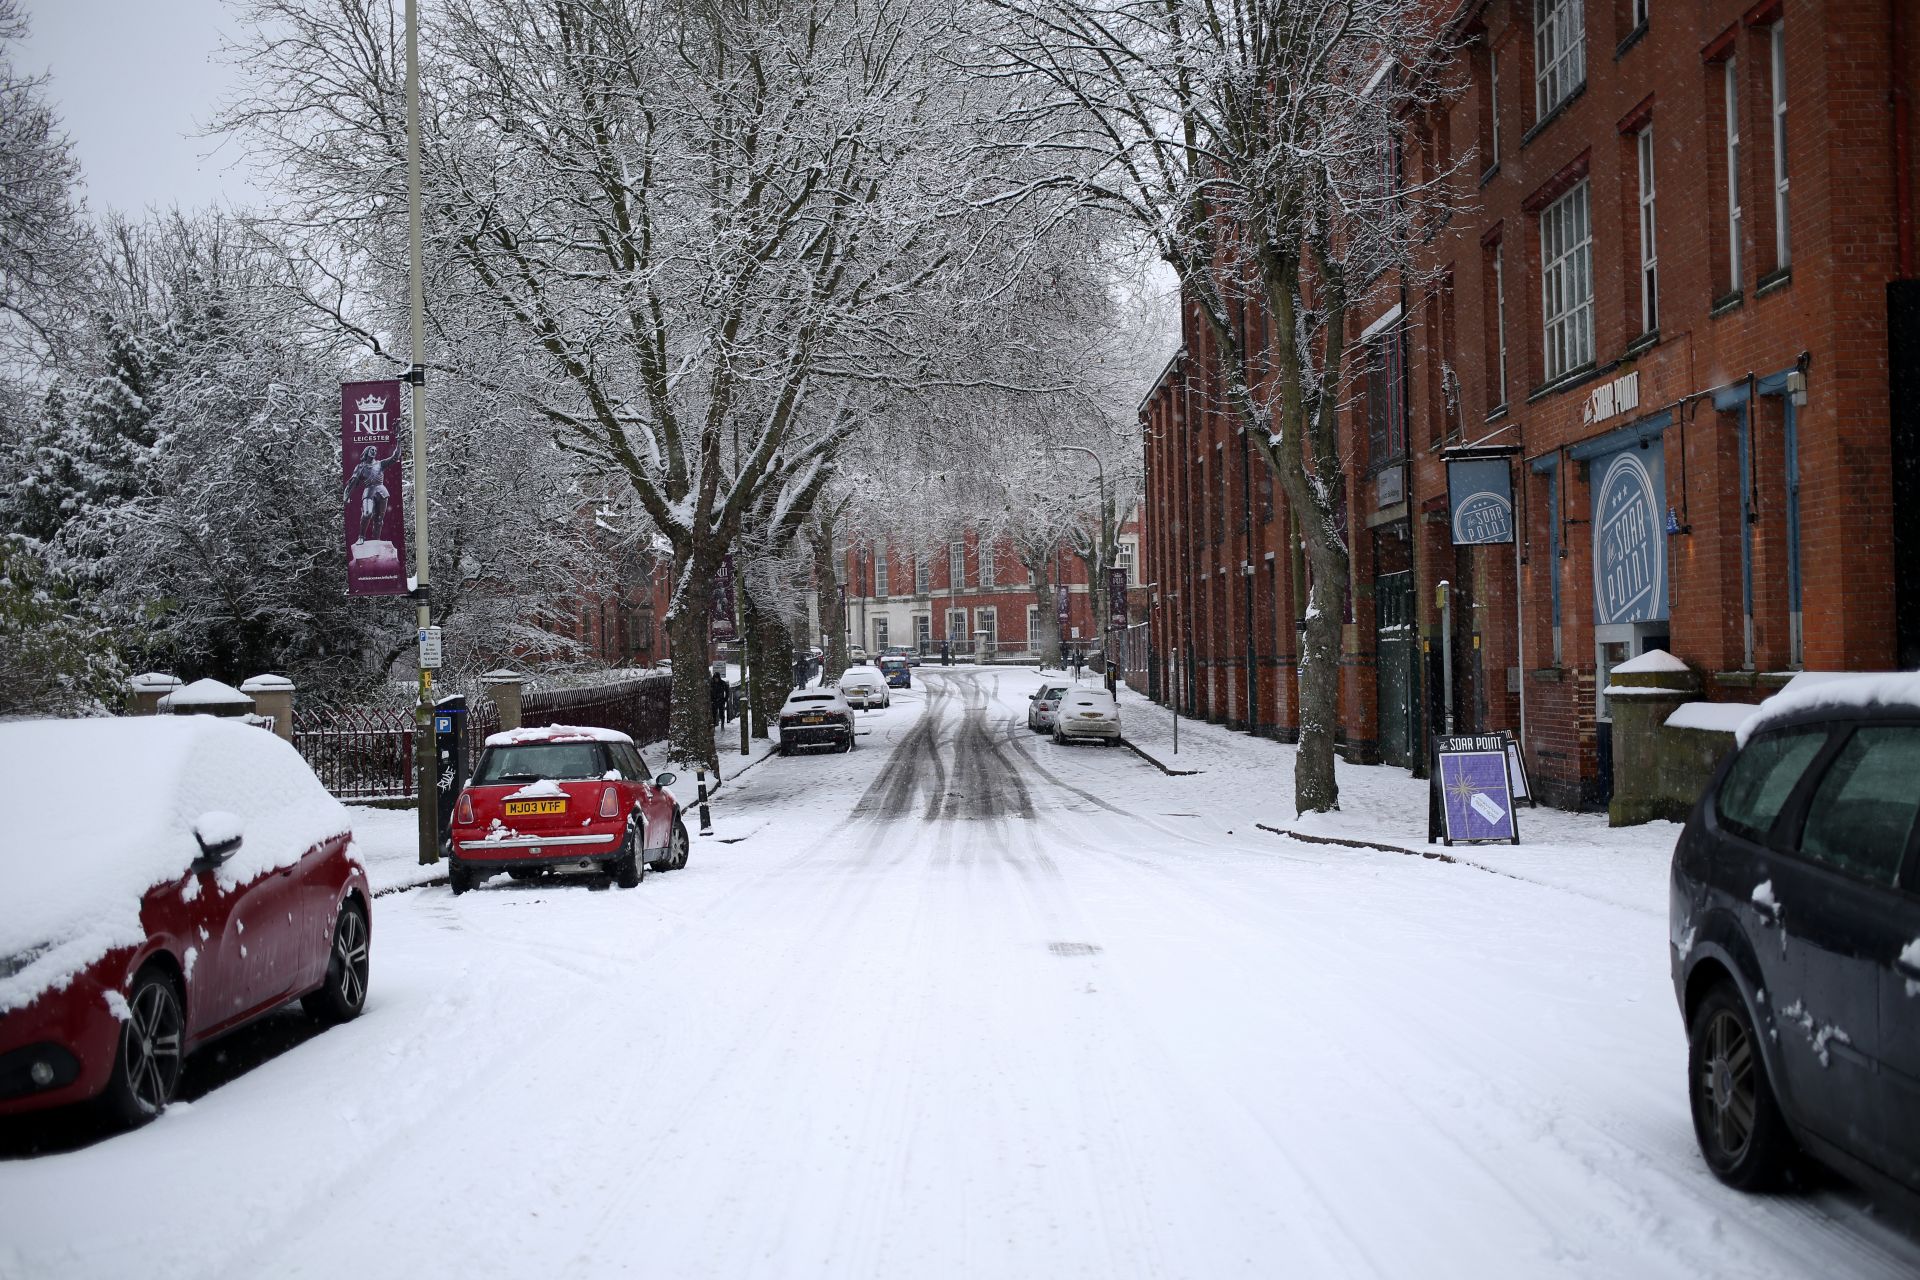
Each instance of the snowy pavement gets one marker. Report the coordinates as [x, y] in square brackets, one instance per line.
[965, 1003]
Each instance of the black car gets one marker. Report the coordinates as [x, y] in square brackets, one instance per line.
[1795, 940]
[816, 718]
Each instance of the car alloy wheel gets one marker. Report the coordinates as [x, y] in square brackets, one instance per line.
[344, 993]
[681, 845]
[152, 1037]
[1736, 1119]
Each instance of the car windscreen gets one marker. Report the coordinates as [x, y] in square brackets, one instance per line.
[1053, 692]
[531, 761]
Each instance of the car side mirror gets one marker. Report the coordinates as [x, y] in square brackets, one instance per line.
[1034, 696]
[666, 780]
[218, 834]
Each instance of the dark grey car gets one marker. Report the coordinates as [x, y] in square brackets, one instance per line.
[1795, 942]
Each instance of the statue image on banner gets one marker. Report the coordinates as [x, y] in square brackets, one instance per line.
[370, 460]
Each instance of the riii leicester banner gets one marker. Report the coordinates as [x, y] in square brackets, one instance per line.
[370, 461]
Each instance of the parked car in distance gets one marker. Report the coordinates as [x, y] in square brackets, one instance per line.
[1043, 703]
[815, 718]
[166, 880]
[864, 687]
[564, 798]
[1086, 713]
[1795, 939]
[898, 674]
[856, 654]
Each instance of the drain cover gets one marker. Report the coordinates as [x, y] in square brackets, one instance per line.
[1073, 948]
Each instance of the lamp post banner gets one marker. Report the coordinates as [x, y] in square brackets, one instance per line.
[721, 620]
[376, 532]
[1061, 599]
[1117, 598]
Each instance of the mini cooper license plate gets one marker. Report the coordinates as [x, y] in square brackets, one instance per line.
[520, 808]
[813, 719]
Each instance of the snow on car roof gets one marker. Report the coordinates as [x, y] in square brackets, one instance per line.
[860, 669]
[814, 695]
[556, 733]
[1814, 690]
[99, 811]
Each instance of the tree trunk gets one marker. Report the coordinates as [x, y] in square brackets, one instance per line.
[692, 725]
[770, 651]
[1314, 787]
[1047, 643]
[826, 590]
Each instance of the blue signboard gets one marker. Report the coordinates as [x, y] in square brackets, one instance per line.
[1470, 792]
[1480, 493]
[1629, 491]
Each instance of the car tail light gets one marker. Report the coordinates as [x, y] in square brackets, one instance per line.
[463, 811]
[610, 803]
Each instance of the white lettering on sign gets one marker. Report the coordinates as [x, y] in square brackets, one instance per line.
[1622, 395]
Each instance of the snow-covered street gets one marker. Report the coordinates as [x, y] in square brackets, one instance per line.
[967, 1003]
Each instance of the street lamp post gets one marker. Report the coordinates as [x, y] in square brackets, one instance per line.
[427, 791]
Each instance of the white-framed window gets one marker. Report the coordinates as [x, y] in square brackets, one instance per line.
[922, 576]
[1649, 252]
[1493, 108]
[957, 628]
[989, 571]
[1782, 241]
[957, 565]
[922, 632]
[880, 574]
[879, 634]
[1566, 281]
[1734, 216]
[1500, 315]
[1559, 52]
[988, 620]
[1123, 559]
[1033, 626]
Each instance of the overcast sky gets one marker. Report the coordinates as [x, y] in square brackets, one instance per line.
[135, 82]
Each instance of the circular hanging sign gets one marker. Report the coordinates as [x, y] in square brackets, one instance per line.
[1629, 551]
[1483, 517]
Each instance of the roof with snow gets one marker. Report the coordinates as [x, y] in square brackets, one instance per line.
[556, 733]
[1834, 691]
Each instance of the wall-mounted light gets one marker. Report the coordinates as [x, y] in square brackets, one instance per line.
[1797, 387]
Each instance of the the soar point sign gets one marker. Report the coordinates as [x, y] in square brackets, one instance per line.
[1629, 543]
[1480, 493]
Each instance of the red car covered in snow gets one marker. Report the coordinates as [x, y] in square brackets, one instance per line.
[165, 880]
[563, 798]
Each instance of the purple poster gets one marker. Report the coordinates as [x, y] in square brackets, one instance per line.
[1476, 795]
[1060, 603]
[370, 461]
[720, 620]
[1117, 598]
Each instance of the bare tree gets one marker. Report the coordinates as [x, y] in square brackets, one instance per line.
[1252, 140]
[43, 232]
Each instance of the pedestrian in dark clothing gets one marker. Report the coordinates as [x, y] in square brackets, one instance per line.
[800, 671]
[946, 653]
[717, 690]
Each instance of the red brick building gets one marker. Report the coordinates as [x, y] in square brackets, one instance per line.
[897, 597]
[1674, 318]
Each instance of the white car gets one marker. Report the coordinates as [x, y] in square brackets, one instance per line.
[1045, 701]
[864, 687]
[1087, 713]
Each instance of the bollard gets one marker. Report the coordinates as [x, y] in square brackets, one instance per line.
[706, 818]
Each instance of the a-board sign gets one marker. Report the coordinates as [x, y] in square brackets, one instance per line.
[1470, 791]
[1517, 770]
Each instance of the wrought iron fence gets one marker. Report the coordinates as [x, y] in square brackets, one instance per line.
[359, 753]
[640, 707]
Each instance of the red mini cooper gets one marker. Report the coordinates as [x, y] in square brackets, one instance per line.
[560, 799]
[164, 880]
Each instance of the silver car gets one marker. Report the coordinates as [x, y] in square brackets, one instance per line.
[864, 687]
[1045, 701]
